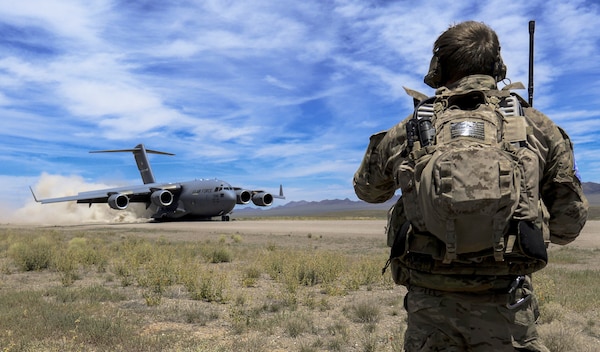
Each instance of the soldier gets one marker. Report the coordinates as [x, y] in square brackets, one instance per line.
[462, 295]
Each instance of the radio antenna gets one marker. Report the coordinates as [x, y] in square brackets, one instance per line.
[530, 89]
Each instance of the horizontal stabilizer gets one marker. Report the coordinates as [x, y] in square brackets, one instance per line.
[141, 158]
[131, 151]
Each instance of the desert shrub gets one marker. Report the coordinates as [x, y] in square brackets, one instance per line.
[551, 311]
[559, 337]
[34, 254]
[397, 338]
[159, 273]
[135, 250]
[363, 271]
[244, 318]
[297, 324]
[545, 287]
[253, 343]
[123, 272]
[250, 275]
[296, 268]
[208, 285]
[219, 255]
[199, 316]
[87, 252]
[363, 311]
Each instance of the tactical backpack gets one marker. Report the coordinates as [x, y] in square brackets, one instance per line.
[469, 184]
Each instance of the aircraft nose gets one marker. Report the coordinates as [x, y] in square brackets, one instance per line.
[229, 199]
[229, 196]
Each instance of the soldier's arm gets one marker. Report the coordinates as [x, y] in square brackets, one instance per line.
[561, 190]
[374, 179]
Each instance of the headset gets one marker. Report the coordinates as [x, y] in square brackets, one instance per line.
[434, 76]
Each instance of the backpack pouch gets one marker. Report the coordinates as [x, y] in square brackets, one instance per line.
[470, 198]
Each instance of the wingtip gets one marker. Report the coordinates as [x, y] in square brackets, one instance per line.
[33, 194]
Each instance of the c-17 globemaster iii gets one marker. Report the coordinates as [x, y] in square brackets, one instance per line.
[197, 199]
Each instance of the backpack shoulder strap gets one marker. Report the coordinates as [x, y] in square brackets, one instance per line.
[418, 97]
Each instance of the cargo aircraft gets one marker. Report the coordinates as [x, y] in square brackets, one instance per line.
[198, 199]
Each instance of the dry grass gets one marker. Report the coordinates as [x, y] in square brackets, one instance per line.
[116, 289]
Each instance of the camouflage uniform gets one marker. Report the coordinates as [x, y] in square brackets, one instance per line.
[459, 312]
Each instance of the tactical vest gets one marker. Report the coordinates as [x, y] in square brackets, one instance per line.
[470, 188]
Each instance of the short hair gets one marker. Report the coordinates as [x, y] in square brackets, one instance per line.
[467, 48]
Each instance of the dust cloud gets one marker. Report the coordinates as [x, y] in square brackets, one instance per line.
[51, 186]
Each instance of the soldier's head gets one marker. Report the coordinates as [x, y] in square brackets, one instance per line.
[467, 48]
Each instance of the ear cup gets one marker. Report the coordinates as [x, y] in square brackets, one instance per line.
[434, 76]
[499, 68]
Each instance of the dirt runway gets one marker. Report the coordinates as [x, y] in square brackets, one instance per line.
[261, 230]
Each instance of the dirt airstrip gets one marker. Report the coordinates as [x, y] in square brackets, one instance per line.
[338, 231]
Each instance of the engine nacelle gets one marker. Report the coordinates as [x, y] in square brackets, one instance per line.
[262, 199]
[162, 198]
[118, 201]
[243, 196]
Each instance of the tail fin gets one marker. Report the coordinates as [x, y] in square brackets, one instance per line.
[140, 154]
[280, 196]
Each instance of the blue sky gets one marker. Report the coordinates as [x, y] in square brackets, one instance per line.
[256, 93]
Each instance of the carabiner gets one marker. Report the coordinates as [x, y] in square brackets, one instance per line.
[519, 302]
[517, 283]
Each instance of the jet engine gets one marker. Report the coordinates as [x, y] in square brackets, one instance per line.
[118, 201]
[162, 198]
[243, 196]
[262, 199]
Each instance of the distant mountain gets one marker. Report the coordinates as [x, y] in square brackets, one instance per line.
[592, 192]
[590, 188]
[347, 206]
[305, 208]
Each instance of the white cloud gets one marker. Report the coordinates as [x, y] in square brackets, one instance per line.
[277, 83]
[81, 23]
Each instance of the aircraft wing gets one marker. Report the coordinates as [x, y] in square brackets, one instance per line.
[140, 194]
[259, 191]
[258, 197]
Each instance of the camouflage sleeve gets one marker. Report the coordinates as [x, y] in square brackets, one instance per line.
[374, 179]
[561, 189]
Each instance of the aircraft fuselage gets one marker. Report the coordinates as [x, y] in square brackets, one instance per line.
[201, 199]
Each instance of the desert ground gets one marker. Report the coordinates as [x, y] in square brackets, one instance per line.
[267, 315]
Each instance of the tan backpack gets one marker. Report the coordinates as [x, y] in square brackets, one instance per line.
[470, 180]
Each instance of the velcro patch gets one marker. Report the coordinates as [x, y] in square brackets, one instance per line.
[474, 129]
